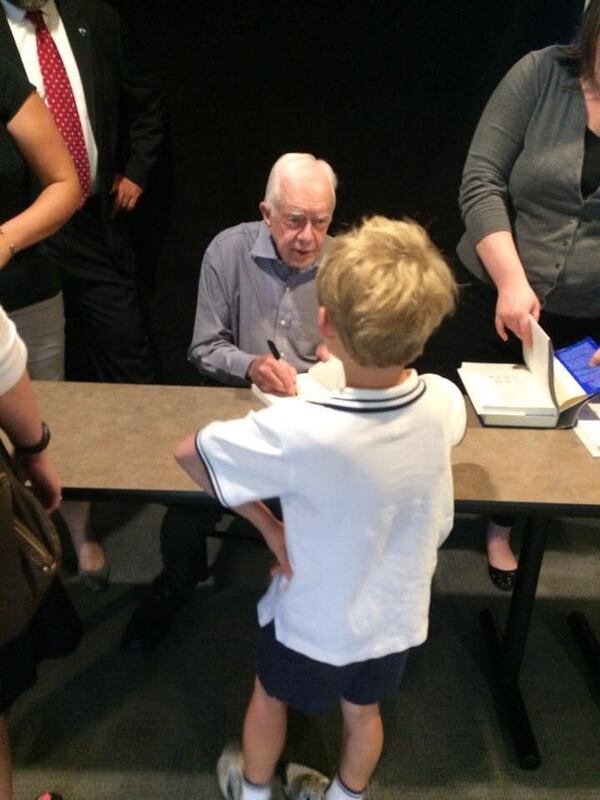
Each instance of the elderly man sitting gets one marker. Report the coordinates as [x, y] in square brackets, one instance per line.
[257, 284]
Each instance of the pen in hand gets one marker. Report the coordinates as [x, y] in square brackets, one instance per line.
[277, 356]
[273, 348]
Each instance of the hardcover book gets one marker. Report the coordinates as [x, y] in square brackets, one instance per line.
[547, 391]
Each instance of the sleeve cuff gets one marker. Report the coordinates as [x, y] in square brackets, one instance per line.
[487, 221]
[214, 483]
[136, 174]
[240, 362]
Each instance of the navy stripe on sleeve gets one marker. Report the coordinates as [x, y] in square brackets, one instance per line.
[214, 482]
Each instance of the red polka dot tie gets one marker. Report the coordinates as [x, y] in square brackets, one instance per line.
[60, 99]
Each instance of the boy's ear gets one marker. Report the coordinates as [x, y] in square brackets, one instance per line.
[326, 326]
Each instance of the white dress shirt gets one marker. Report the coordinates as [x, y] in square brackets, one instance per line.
[24, 34]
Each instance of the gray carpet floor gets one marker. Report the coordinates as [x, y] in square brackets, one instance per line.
[104, 725]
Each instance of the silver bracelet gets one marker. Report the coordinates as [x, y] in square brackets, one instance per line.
[11, 248]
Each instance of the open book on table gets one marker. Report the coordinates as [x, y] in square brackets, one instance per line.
[548, 391]
[316, 384]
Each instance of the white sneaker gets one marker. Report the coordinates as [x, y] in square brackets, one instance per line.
[304, 783]
[230, 771]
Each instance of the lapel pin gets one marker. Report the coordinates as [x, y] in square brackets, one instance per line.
[82, 31]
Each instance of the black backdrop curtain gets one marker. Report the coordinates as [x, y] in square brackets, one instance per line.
[388, 92]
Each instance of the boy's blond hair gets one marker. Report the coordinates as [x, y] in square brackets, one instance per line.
[386, 288]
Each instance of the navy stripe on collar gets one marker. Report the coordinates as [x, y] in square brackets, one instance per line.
[373, 405]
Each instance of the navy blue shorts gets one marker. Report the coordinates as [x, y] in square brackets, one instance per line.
[313, 686]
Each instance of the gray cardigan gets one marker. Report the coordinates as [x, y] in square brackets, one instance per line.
[523, 174]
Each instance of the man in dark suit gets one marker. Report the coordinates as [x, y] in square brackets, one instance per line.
[122, 121]
[119, 125]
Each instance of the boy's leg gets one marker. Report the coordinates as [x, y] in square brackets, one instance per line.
[247, 775]
[265, 729]
[362, 742]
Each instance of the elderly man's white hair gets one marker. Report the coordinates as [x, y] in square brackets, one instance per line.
[290, 163]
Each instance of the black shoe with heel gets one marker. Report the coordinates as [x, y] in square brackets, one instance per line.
[503, 579]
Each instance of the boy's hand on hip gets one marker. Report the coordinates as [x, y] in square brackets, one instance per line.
[274, 535]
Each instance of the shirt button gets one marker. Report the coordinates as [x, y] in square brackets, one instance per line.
[282, 323]
[557, 266]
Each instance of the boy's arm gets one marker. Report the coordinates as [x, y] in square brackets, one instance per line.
[256, 512]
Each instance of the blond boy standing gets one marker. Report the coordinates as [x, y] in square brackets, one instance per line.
[365, 484]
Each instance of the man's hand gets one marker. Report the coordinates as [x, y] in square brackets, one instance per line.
[515, 303]
[40, 472]
[126, 194]
[272, 375]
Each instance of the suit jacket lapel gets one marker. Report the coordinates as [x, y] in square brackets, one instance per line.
[79, 33]
[8, 48]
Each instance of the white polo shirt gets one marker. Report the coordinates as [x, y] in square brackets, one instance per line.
[365, 484]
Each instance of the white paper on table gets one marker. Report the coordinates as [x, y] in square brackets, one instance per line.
[588, 428]
[317, 384]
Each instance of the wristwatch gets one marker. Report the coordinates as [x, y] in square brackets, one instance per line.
[32, 449]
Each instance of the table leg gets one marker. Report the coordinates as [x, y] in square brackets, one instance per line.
[587, 641]
[506, 652]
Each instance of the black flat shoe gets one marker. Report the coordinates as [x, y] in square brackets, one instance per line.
[95, 579]
[503, 579]
[151, 621]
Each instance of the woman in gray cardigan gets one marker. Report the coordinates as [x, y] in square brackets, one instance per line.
[530, 200]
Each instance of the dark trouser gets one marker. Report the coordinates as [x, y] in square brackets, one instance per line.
[54, 632]
[470, 335]
[105, 331]
[183, 543]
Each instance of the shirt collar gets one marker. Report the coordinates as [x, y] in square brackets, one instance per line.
[264, 247]
[373, 400]
[13, 13]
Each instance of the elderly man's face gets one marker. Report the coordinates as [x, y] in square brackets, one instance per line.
[300, 218]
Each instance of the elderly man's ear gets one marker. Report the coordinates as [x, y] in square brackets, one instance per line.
[265, 210]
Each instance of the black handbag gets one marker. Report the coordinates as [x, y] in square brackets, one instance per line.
[30, 551]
